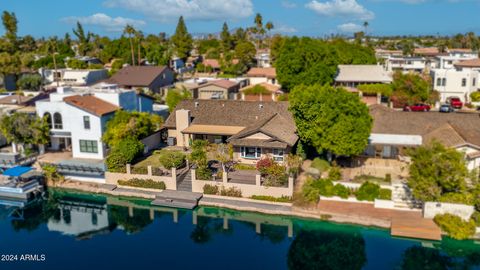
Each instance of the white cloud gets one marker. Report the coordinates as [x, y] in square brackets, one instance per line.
[349, 27]
[108, 23]
[284, 29]
[287, 4]
[165, 10]
[342, 8]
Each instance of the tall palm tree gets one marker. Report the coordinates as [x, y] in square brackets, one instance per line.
[139, 38]
[130, 31]
[269, 26]
[52, 48]
[365, 25]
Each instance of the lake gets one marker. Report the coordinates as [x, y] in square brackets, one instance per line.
[73, 231]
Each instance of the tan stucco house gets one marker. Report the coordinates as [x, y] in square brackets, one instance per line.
[254, 128]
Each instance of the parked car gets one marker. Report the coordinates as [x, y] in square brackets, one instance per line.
[446, 108]
[418, 107]
[455, 102]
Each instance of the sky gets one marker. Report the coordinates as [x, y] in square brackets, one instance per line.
[292, 17]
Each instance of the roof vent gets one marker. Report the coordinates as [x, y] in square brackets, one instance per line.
[260, 106]
[196, 104]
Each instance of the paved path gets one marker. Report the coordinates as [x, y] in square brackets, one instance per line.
[244, 204]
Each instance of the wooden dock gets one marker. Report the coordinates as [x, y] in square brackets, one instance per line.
[421, 229]
[177, 199]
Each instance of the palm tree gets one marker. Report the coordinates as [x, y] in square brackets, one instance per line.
[269, 26]
[139, 38]
[365, 25]
[52, 48]
[130, 31]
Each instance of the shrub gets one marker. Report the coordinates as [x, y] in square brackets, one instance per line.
[210, 189]
[51, 173]
[334, 173]
[455, 226]
[271, 198]
[383, 89]
[313, 188]
[241, 166]
[142, 183]
[263, 164]
[341, 191]
[463, 198]
[475, 96]
[203, 173]
[231, 192]
[320, 164]
[171, 159]
[116, 162]
[368, 192]
[388, 178]
[257, 90]
[476, 218]
[275, 175]
[385, 194]
[122, 153]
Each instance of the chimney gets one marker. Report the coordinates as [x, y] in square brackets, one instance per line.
[182, 121]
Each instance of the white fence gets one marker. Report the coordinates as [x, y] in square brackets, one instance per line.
[431, 209]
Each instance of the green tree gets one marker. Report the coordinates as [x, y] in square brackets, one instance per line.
[226, 38]
[245, 53]
[135, 125]
[130, 32]
[10, 22]
[410, 88]
[22, 128]
[174, 96]
[435, 171]
[9, 63]
[182, 40]
[331, 119]
[76, 64]
[84, 39]
[30, 82]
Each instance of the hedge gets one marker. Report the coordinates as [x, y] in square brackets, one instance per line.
[320, 164]
[455, 226]
[210, 189]
[142, 183]
[381, 88]
[171, 159]
[271, 198]
[368, 192]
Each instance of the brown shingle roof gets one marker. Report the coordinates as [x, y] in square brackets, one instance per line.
[136, 75]
[429, 125]
[271, 118]
[212, 63]
[262, 72]
[14, 100]
[469, 63]
[221, 83]
[426, 51]
[91, 104]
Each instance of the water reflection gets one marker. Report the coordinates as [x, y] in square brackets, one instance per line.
[295, 243]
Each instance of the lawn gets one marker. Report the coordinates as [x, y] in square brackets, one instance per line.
[152, 160]
[373, 179]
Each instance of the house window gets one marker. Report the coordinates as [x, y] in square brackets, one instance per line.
[251, 152]
[57, 121]
[464, 82]
[439, 81]
[86, 122]
[88, 146]
[444, 81]
[278, 154]
[474, 81]
[48, 118]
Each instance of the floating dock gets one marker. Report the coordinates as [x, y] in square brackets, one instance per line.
[178, 199]
[421, 229]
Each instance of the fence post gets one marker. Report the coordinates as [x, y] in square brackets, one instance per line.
[258, 177]
[174, 178]
[290, 185]
[149, 170]
[225, 177]
[129, 169]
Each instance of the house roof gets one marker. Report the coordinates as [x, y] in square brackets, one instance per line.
[14, 100]
[451, 129]
[136, 75]
[91, 104]
[270, 87]
[227, 84]
[426, 51]
[362, 73]
[271, 118]
[212, 63]
[262, 72]
[468, 63]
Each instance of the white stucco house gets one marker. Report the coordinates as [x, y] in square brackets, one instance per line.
[73, 77]
[459, 81]
[78, 117]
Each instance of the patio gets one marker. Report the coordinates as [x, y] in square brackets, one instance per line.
[376, 167]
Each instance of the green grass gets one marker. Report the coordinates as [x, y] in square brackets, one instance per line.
[241, 166]
[152, 160]
[285, 199]
[374, 179]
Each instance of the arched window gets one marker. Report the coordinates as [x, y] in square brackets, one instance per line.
[57, 120]
[48, 118]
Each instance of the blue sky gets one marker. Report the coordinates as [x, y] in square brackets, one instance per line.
[300, 17]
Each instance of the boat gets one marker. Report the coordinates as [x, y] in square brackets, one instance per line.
[23, 183]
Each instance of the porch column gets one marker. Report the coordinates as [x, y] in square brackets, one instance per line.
[258, 178]
[129, 169]
[225, 177]
[14, 148]
[379, 98]
[174, 178]
[149, 170]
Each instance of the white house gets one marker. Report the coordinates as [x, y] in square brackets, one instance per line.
[263, 58]
[73, 77]
[354, 75]
[459, 81]
[405, 64]
[78, 117]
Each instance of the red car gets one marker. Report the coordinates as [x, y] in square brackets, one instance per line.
[455, 102]
[418, 107]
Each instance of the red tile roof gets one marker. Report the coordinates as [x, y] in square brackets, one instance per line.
[221, 83]
[469, 63]
[91, 104]
[262, 72]
[212, 63]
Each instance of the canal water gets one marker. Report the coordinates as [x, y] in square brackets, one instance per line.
[80, 231]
